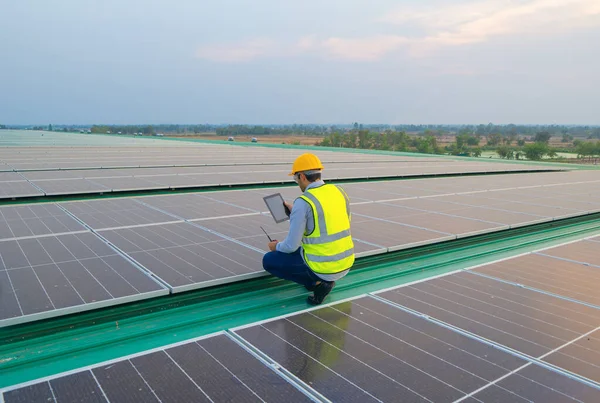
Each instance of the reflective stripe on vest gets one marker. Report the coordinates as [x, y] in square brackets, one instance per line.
[327, 238]
[319, 216]
[329, 248]
[333, 258]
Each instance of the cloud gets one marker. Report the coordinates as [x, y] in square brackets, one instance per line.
[307, 43]
[358, 49]
[239, 52]
[468, 23]
[472, 22]
[363, 49]
[441, 17]
[476, 22]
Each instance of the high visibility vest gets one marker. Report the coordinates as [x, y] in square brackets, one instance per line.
[329, 248]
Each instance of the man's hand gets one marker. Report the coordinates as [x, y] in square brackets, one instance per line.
[273, 245]
[288, 205]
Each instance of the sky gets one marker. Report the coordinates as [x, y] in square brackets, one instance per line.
[309, 61]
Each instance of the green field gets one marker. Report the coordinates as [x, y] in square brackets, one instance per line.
[492, 154]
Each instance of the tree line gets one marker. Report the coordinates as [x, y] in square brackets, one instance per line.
[538, 150]
[491, 131]
[249, 130]
[389, 140]
[587, 149]
[152, 129]
[228, 130]
[465, 143]
[509, 130]
[494, 133]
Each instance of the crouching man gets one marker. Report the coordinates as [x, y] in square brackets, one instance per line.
[318, 250]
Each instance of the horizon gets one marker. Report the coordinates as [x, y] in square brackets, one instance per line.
[31, 125]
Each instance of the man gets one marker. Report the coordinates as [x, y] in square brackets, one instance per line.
[318, 249]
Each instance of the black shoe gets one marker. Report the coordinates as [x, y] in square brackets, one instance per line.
[310, 287]
[321, 292]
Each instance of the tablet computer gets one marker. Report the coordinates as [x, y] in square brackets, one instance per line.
[276, 207]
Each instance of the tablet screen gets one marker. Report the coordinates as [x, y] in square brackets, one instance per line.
[275, 205]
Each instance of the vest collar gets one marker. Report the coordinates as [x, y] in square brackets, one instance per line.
[315, 184]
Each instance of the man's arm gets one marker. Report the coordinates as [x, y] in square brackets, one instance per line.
[293, 240]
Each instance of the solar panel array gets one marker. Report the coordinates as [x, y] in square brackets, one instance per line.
[79, 181]
[369, 350]
[52, 275]
[116, 164]
[542, 305]
[187, 241]
[466, 336]
[176, 154]
[519, 329]
[40, 139]
[209, 369]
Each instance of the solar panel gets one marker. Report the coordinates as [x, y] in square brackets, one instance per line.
[35, 219]
[386, 190]
[12, 190]
[54, 275]
[53, 187]
[581, 357]
[249, 199]
[86, 176]
[570, 279]
[202, 206]
[209, 369]
[367, 350]
[187, 181]
[508, 316]
[571, 201]
[505, 217]
[534, 383]
[247, 228]
[467, 213]
[168, 153]
[433, 204]
[52, 174]
[554, 319]
[537, 209]
[585, 252]
[396, 236]
[448, 223]
[114, 213]
[383, 210]
[185, 256]
[122, 172]
[120, 184]
[10, 177]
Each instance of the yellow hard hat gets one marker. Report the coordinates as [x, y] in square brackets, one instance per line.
[306, 162]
